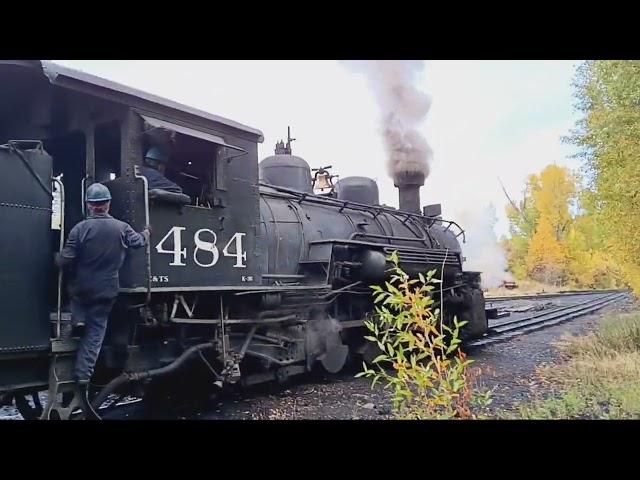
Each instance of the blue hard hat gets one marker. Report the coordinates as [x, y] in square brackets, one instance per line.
[157, 155]
[98, 193]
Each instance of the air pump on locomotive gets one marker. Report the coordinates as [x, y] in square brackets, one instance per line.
[259, 271]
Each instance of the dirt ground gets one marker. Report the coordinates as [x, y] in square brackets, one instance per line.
[508, 368]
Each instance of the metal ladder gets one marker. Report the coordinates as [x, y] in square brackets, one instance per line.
[63, 346]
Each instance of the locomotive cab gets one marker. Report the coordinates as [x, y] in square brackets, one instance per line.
[82, 129]
[204, 237]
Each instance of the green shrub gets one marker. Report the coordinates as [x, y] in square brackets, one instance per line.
[420, 358]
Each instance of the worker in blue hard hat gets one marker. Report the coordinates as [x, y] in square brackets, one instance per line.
[155, 164]
[93, 255]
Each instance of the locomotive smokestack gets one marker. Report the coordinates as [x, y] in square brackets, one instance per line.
[409, 184]
[403, 108]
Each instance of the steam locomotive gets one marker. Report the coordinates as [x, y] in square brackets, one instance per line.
[258, 271]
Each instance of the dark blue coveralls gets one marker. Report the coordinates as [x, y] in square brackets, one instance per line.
[155, 179]
[94, 253]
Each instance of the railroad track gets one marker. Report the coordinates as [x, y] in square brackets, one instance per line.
[564, 293]
[506, 330]
[499, 331]
[119, 408]
[511, 328]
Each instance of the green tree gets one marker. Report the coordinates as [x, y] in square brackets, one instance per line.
[591, 264]
[608, 134]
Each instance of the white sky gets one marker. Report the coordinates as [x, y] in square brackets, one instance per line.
[488, 119]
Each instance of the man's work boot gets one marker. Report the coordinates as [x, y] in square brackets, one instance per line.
[82, 391]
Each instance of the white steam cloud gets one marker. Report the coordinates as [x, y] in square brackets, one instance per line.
[403, 107]
[482, 250]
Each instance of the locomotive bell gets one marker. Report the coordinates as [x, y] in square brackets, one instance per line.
[322, 182]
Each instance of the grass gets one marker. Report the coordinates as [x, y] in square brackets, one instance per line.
[600, 377]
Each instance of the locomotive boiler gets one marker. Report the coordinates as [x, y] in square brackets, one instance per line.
[258, 271]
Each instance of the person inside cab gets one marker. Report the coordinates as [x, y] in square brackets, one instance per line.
[155, 164]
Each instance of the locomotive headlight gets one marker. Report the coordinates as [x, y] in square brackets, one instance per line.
[374, 265]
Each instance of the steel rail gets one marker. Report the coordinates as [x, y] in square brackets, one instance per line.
[508, 330]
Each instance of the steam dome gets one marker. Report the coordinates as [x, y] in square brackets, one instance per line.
[359, 190]
[286, 171]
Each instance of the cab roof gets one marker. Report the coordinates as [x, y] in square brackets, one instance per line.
[116, 92]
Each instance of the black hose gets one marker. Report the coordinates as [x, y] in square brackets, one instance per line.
[139, 376]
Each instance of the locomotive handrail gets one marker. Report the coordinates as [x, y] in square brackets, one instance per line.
[426, 230]
[60, 274]
[82, 193]
[361, 206]
[136, 174]
[388, 237]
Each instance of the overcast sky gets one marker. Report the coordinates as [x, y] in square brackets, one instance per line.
[488, 119]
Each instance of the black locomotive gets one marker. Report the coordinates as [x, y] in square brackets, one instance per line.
[256, 272]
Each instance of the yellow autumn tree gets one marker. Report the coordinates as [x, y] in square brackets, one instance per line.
[539, 224]
[547, 259]
[556, 238]
[523, 218]
[553, 194]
